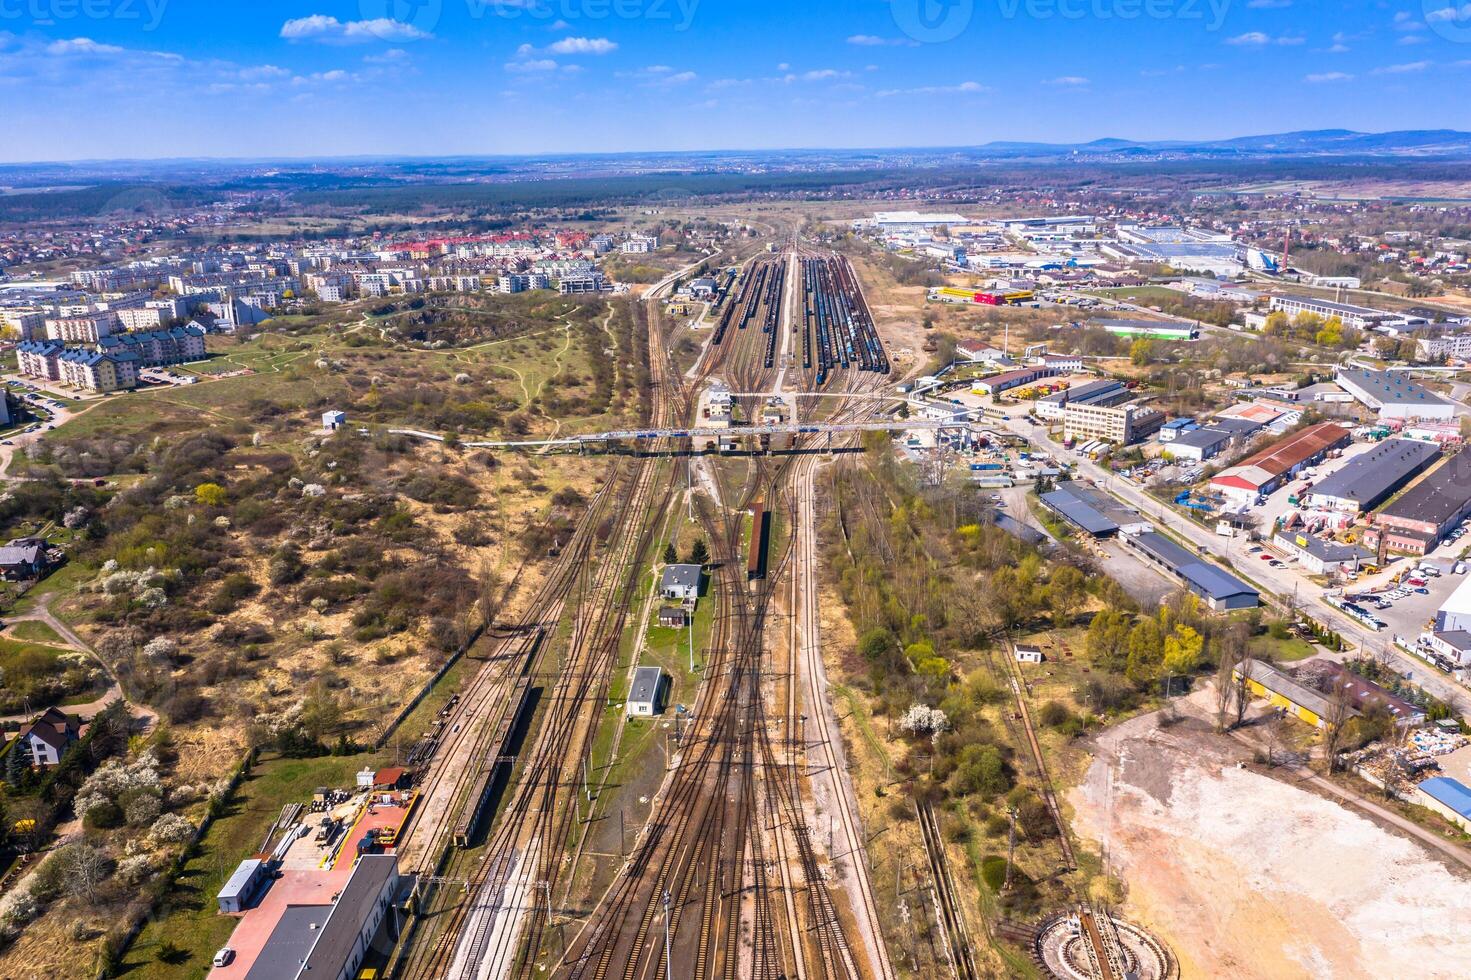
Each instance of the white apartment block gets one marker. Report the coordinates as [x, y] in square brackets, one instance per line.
[82, 329]
[639, 245]
[146, 318]
[1120, 425]
[1450, 345]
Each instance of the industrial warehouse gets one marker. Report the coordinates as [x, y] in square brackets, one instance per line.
[1421, 518]
[1219, 588]
[1270, 468]
[1092, 511]
[1368, 480]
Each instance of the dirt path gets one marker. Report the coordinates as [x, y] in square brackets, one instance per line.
[41, 613]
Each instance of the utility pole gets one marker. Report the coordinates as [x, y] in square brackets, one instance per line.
[1010, 847]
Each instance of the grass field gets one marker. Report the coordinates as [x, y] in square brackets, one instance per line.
[191, 922]
[36, 632]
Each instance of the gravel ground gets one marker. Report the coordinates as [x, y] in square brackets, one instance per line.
[1248, 876]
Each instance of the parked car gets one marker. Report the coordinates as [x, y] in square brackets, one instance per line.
[224, 956]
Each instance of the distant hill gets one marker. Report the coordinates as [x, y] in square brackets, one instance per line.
[1315, 142]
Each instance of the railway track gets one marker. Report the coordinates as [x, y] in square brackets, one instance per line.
[947, 897]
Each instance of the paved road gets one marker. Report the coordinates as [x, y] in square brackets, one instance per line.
[1283, 582]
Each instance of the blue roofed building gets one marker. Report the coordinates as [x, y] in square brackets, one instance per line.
[1218, 588]
[1448, 797]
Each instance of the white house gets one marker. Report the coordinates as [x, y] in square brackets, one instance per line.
[681, 582]
[46, 739]
[646, 696]
[1028, 654]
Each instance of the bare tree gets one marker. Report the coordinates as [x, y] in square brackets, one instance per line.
[1335, 715]
[1240, 690]
[1232, 646]
[488, 593]
[83, 870]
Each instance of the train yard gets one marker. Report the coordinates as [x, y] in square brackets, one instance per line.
[729, 876]
[748, 858]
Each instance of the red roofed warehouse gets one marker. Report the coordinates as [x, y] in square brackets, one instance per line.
[1278, 463]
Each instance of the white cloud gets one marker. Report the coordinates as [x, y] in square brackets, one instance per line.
[1405, 69]
[330, 30]
[335, 75]
[874, 41]
[1257, 39]
[257, 73]
[583, 45]
[531, 65]
[1405, 21]
[1329, 76]
[389, 57]
[964, 88]
[81, 45]
[1449, 14]
[1068, 81]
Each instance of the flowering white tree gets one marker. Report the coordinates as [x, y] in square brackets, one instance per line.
[921, 719]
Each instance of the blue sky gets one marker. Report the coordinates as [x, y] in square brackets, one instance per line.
[158, 78]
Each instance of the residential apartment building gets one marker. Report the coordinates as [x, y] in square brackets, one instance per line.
[579, 285]
[142, 318]
[520, 282]
[1118, 424]
[82, 329]
[40, 359]
[1446, 345]
[155, 348]
[27, 324]
[639, 245]
[97, 371]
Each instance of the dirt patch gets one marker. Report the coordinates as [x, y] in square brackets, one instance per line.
[1245, 875]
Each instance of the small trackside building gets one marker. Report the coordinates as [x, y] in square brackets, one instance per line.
[1368, 480]
[1420, 519]
[646, 695]
[1275, 465]
[681, 582]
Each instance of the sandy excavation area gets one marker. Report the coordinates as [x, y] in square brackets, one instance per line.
[1247, 876]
